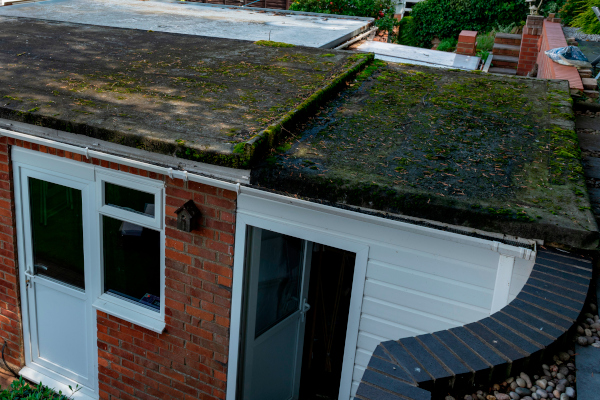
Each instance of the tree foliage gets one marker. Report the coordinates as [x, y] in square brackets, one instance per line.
[446, 18]
[381, 10]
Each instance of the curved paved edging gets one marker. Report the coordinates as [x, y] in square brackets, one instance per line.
[546, 307]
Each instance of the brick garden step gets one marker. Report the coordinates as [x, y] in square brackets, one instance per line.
[506, 50]
[502, 71]
[508, 38]
[432, 364]
[505, 61]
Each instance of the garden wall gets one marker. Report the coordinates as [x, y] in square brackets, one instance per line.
[553, 37]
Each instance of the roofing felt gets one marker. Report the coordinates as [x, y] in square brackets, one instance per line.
[175, 16]
[491, 152]
[200, 98]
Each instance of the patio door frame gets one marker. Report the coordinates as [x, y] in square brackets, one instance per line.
[42, 166]
[310, 234]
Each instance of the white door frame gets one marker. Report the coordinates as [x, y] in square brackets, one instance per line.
[78, 179]
[329, 238]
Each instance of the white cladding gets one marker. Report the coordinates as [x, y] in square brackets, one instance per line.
[418, 280]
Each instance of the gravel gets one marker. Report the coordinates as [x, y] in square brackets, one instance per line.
[577, 34]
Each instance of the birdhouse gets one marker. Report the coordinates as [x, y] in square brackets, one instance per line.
[186, 216]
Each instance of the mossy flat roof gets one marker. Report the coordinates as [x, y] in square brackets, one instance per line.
[197, 97]
[490, 152]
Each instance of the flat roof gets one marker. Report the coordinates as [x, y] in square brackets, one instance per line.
[191, 18]
[486, 151]
[202, 98]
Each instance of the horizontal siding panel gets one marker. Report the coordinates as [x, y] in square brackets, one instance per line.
[387, 329]
[363, 357]
[521, 271]
[357, 374]
[435, 285]
[354, 389]
[368, 342]
[427, 303]
[475, 274]
[405, 316]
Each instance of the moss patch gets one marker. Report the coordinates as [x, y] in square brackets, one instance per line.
[270, 43]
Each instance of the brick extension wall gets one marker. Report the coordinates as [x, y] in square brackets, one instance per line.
[187, 361]
[11, 329]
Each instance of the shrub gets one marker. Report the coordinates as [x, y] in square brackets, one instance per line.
[406, 34]
[448, 44]
[446, 18]
[20, 390]
[485, 41]
[587, 20]
[571, 9]
[381, 10]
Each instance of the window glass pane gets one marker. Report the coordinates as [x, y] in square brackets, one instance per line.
[131, 261]
[128, 199]
[57, 231]
[279, 279]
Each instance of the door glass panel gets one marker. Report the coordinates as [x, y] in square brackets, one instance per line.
[57, 232]
[279, 279]
[131, 262]
[128, 199]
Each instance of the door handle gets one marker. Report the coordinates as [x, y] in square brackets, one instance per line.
[40, 266]
[29, 278]
[304, 309]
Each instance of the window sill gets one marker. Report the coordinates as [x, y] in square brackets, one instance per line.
[135, 317]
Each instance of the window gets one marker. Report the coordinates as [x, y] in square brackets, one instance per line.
[131, 247]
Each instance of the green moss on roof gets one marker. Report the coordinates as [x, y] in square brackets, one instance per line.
[205, 99]
[469, 149]
[270, 43]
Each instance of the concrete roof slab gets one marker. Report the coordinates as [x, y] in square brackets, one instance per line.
[316, 30]
[489, 152]
[200, 97]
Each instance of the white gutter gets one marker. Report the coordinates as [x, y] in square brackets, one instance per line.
[489, 244]
[85, 151]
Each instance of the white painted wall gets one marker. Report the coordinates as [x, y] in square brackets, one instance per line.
[418, 280]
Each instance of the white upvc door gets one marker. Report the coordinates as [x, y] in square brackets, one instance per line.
[277, 290]
[56, 234]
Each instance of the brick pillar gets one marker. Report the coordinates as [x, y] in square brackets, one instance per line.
[467, 43]
[532, 31]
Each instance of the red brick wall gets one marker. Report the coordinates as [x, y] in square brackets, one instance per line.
[552, 38]
[529, 44]
[467, 43]
[10, 312]
[188, 360]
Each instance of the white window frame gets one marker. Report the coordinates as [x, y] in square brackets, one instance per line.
[141, 184]
[129, 311]
[113, 304]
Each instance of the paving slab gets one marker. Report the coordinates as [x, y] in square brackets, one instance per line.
[418, 56]
[589, 141]
[316, 30]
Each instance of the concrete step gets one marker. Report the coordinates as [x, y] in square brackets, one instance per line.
[503, 71]
[506, 50]
[508, 38]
